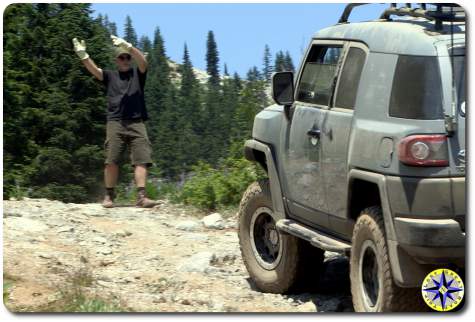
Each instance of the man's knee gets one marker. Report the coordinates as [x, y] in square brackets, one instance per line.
[111, 166]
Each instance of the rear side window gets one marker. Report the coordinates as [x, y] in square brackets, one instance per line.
[458, 66]
[316, 83]
[350, 78]
[417, 89]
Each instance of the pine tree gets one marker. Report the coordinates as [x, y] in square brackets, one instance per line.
[145, 44]
[189, 116]
[268, 69]
[226, 73]
[254, 75]
[50, 98]
[288, 64]
[213, 131]
[161, 100]
[279, 61]
[112, 28]
[129, 32]
[252, 100]
[212, 60]
[231, 92]
[237, 82]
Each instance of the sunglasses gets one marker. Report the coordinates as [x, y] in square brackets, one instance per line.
[124, 57]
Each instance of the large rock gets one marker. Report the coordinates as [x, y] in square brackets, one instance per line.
[199, 262]
[213, 221]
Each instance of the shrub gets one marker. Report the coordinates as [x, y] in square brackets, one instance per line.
[199, 190]
[64, 193]
[209, 188]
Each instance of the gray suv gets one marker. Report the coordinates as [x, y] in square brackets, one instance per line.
[365, 155]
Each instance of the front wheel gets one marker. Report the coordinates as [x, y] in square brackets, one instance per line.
[372, 285]
[276, 262]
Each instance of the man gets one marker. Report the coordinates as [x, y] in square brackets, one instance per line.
[126, 114]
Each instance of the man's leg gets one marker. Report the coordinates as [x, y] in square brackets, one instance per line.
[140, 175]
[141, 158]
[111, 173]
[114, 147]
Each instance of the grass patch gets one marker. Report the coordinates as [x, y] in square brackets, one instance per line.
[8, 281]
[76, 295]
[78, 301]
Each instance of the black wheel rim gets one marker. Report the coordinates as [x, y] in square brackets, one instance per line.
[370, 275]
[266, 239]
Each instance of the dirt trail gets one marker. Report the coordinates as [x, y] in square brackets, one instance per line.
[163, 259]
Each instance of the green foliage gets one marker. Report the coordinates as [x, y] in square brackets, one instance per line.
[129, 32]
[170, 191]
[54, 113]
[267, 69]
[74, 297]
[199, 191]
[7, 285]
[145, 44]
[212, 60]
[283, 62]
[49, 97]
[210, 188]
[63, 192]
[288, 63]
[151, 190]
[84, 304]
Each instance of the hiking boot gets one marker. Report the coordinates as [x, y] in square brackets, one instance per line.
[108, 202]
[144, 202]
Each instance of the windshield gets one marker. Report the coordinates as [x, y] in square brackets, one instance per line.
[459, 77]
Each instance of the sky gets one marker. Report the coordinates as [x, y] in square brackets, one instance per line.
[241, 30]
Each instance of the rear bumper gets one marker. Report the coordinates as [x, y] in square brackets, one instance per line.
[426, 198]
[428, 216]
[432, 241]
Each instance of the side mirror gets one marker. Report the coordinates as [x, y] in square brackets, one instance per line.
[283, 88]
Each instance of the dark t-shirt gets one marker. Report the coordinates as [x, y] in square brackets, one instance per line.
[125, 98]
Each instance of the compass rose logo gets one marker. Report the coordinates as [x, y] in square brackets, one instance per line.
[442, 289]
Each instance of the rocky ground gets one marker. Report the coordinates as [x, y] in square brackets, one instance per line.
[164, 259]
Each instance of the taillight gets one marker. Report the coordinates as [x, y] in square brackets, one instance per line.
[424, 150]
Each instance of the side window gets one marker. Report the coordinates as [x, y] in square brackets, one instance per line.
[417, 89]
[317, 77]
[350, 78]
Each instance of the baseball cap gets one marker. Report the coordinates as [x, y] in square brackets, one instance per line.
[119, 51]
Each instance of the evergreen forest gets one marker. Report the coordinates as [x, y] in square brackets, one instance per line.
[54, 111]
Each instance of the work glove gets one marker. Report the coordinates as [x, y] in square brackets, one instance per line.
[80, 48]
[119, 42]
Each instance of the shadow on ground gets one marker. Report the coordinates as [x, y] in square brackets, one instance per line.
[332, 291]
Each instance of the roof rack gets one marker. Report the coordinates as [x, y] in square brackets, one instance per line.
[449, 12]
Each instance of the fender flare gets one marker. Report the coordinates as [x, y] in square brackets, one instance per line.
[275, 188]
[380, 181]
[406, 271]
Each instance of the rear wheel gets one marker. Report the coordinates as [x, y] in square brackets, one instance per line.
[276, 262]
[372, 285]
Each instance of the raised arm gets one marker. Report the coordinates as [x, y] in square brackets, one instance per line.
[80, 49]
[136, 54]
[93, 69]
[139, 57]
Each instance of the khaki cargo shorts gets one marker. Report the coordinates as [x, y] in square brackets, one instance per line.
[130, 134]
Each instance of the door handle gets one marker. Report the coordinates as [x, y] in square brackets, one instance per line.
[314, 133]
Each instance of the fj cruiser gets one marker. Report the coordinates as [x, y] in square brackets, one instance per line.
[365, 155]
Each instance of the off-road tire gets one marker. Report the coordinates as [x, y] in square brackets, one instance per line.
[390, 298]
[299, 260]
